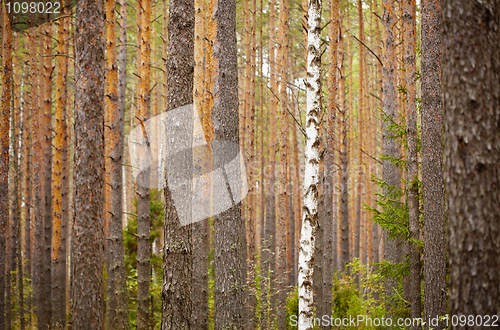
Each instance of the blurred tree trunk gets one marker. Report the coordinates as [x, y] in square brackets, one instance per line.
[4, 174]
[432, 165]
[409, 17]
[269, 241]
[283, 201]
[471, 75]
[47, 174]
[87, 250]
[143, 181]
[390, 173]
[58, 267]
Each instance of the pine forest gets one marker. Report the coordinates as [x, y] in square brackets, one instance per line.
[249, 164]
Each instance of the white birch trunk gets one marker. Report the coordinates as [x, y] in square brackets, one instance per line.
[312, 154]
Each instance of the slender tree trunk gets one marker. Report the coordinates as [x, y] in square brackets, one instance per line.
[412, 171]
[47, 176]
[178, 251]
[269, 256]
[27, 178]
[4, 171]
[143, 182]
[471, 75]
[345, 222]
[228, 269]
[87, 256]
[312, 154]
[117, 305]
[283, 209]
[39, 254]
[390, 173]
[200, 229]
[432, 165]
[58, 267]
[344, 146]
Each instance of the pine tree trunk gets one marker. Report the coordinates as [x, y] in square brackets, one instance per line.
[178, 251]
[117, 304]
[432, 165]
[4, 184]
[58, 267]
[143, 182]
[200, 229]
[312, 153]
[228, 267]
[283, 209]
[390, 172]
[471, 75]
[412, 159]
[47, 163]
[343, 150]
[269, 242]
[87, 256]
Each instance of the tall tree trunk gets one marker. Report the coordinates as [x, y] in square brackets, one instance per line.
[345, 222]
[178, 250]
[432, 165]
[324, 306]
[343, 148]
[117, 304]
[228, 269]
[200, 229]
[47, 174]
[269, 257]
[360, 185]
[376, 227]
[143, 182]
[87, 256]
[38, 170]
[16, 247]
[312, 153]
[10, 221]
[412, 159]
[27, 189]
[390, 173]
[471, 74]
[283, 201]
[4, 172]
[58, 267]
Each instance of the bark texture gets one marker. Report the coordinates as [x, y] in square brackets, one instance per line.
[432, 165]
[471, 84]
[312, 158]
[87, 250]
[228, 235]
[178, 248]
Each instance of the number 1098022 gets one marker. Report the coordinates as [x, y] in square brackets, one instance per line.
[33, 7]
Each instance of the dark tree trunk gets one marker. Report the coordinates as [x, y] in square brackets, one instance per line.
[87, 251]
[432, 165]
[471, 81]
[228, 236]
[178, 248]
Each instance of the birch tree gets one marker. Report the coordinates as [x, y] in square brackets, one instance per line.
[312, 157]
